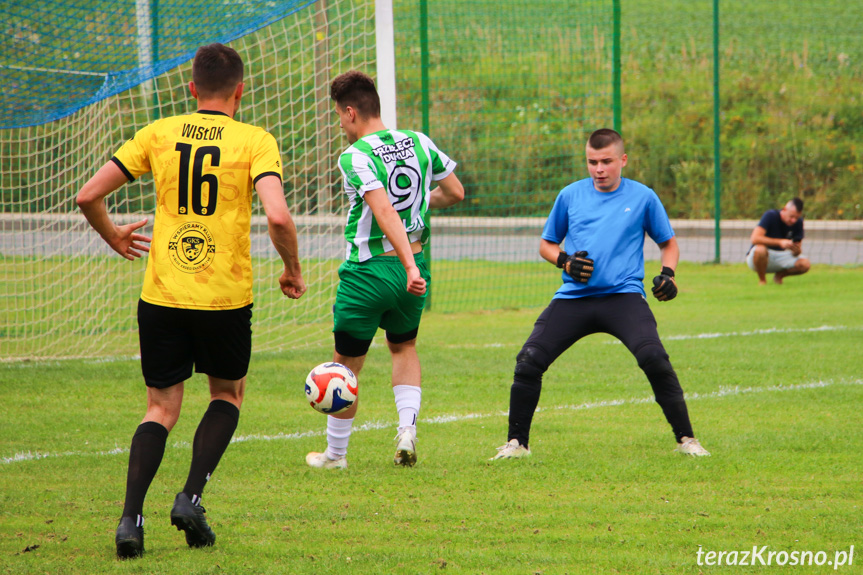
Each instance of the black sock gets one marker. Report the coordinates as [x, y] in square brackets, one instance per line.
[523, 399]
[678, 417]
[211, 439]
[145, 456]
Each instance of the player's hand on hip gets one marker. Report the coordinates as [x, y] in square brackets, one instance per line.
[292, 286]
[127, 242]
[579, 267]
[664, 286]
[416, 283]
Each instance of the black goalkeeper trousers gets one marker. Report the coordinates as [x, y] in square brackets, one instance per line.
[565, 321]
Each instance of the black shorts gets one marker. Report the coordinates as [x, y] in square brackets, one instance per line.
[626, 316]
[174, 340]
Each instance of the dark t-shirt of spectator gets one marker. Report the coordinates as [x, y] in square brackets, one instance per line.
[775, 228]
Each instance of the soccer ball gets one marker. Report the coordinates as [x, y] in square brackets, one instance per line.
[331, 388]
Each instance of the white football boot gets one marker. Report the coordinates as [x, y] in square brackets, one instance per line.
[691, 446]
[315, 459]
[406, 448]
[512, 449]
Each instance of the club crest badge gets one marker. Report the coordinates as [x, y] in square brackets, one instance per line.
[191, 248]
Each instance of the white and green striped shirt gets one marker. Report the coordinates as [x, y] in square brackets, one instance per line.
[404, 164]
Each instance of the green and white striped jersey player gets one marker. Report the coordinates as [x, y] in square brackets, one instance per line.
[383, 281]
[405, 164]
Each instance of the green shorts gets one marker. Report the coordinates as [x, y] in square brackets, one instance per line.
[373, 294]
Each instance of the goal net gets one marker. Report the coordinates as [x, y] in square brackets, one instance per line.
[508, 94]
[84, 75]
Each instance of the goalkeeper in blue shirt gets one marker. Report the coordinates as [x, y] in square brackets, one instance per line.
[602, 221]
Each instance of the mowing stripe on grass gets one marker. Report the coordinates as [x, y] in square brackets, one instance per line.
[377, 425]
[55, 362]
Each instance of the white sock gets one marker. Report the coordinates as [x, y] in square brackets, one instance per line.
[408, 400]
[338, 435]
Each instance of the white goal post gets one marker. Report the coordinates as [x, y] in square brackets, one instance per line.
[386, 62]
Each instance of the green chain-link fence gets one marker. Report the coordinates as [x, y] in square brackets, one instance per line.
[511, 90]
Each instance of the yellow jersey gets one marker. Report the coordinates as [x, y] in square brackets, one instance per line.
[204, 166]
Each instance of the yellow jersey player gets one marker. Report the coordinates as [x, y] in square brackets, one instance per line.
[195, 309]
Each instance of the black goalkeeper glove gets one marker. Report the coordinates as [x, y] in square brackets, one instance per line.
[664, 286]
[578, 265]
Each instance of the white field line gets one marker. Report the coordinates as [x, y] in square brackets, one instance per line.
[440, 419]
[766, 331]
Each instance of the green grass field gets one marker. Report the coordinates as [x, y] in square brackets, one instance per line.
[773, 377]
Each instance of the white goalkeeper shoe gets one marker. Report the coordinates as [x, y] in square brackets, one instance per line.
[691, 446]
[406, 448]
[315, 459]
[512, 449]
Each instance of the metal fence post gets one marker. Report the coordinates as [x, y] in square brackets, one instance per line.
[717, 158]
[616, 97]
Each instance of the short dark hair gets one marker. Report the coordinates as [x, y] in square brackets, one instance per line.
[798, 203]
[358, 91]
[216, 70]
[603, 138]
